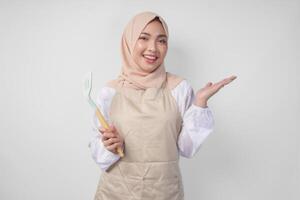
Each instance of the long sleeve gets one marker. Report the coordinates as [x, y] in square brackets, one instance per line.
[197, 124]
[103, 157]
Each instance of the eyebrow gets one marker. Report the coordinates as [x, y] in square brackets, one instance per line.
[160, 35]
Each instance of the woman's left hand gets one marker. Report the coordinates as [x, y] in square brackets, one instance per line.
[209, 90]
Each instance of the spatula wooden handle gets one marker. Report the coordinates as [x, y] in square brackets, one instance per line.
[105, 125]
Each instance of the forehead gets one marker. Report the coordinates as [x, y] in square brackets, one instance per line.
[154, 28]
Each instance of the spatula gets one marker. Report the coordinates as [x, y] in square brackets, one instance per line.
[87, 88]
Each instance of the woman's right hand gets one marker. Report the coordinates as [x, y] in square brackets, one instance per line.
[111, 139]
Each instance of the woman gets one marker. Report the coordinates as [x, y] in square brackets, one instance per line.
[154, 115]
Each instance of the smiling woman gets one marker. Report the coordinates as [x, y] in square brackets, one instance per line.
[154, 117]
[151, 47]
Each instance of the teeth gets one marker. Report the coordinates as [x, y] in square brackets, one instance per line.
[150, 57]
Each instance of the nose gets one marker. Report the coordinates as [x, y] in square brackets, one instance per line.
[152, 46]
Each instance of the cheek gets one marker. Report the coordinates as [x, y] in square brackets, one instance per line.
[163, 50]
[138, 49]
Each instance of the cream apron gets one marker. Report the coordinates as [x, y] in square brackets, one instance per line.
[150, 122]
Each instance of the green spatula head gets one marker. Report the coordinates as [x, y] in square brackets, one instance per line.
[87, 88]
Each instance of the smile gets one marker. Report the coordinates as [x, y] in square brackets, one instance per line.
[150, 59]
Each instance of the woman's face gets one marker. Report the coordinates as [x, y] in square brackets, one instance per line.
[151, 47]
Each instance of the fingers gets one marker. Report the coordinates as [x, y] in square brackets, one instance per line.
[111, 141]
[224, 82]
[208, 84]
[114, 146]
[111, 132]
[107, 135]
[229, 79]
[233, 77]
[101, 130]
[111, 138]
[111, 129]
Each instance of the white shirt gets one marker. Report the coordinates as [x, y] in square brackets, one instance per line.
[197, 124]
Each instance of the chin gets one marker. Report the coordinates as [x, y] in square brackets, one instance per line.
[147, 67]
[150, 68]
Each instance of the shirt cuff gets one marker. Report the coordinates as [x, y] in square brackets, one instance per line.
[202, 117]
[108, 159]
[199, 107]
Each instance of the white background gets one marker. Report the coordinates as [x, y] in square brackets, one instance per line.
[46, 47]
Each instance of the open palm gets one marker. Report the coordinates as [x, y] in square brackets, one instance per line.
[210, 89]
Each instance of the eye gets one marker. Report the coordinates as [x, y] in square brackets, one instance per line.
[143, 38]
[163, 41]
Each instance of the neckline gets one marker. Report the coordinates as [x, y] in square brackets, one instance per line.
[121, 88]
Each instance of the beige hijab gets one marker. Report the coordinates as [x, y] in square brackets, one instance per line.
[132, 76]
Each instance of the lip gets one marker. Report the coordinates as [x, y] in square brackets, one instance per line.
[150, 61]
[151, 55]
